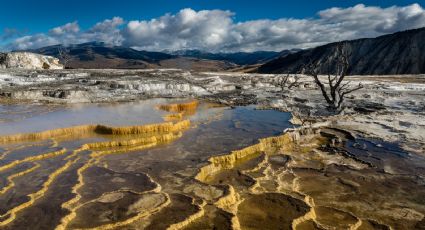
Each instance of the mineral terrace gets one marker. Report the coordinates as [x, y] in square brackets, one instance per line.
[388, 107]
[214, 152]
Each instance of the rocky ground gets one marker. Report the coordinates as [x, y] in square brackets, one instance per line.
[26, 60]
[388, 107]
[202, 166]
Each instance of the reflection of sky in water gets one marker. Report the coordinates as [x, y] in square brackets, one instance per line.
[19, 112]
[134, 113]
[254, 120]
[118, 114]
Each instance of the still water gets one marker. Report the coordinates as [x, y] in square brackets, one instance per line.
[115, 176]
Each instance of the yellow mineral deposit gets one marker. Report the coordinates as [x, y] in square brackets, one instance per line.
[129, 148]
[69, 205]
[143, 129]
[33, 158]
[180, 107]
[190, 219]
[173, 116]
[97, 129]
[288, 142]
[301, 143]
[11, 214]
[23, 146]
[133, 141]
[55, 143]
[10, 178]
[75, 130]
[129, 145]
[163, 133]
[179, 110]
[149, 135]
[229, 161]
[73, 207]
[130, 220]
[310, 215]
[230, 203]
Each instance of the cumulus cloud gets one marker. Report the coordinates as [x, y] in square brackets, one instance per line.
[204, 29]
[361, 20]
[71, 27]
[107, 31]
[216, 30]
[32, 41]
[108, 25]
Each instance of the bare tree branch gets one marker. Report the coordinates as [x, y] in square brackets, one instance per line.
[337, 89]
[63, 56]
[285, 83]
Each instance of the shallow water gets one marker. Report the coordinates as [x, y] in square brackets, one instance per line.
[134, 113]
[157, 185]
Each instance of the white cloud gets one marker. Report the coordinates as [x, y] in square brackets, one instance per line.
[107, 25]
[71, 27]
[372, 21]
[107, 31]
[204, 29]
[215, 30]
[33, 41]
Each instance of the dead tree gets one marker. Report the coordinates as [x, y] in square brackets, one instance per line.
[284, 82]
[64, 57]
[335, 89]
[303, 114]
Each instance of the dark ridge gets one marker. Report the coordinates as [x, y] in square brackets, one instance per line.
[239, 58]
[398, 53]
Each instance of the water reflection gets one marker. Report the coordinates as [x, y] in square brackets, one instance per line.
[131, 179]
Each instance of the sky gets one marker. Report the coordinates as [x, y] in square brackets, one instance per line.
[210, 25]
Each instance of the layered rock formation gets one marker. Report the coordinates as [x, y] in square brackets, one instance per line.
[381, 99]
[398, 53]
[26, 60]
[132, 138]
[138, 177]
[280, 182]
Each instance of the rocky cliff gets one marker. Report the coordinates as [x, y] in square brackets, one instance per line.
[26, 60]
[398, 53]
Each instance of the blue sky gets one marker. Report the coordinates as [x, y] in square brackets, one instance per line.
[41, 15]
[26, 18]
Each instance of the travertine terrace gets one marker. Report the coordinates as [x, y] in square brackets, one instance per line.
[202, 159]
[382, 99]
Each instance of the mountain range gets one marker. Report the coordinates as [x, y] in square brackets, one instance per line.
[97, 55]
[239, 58]
[398, 53]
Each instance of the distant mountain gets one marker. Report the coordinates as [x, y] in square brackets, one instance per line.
[398, 53]
[96, 55]
[239, 58]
